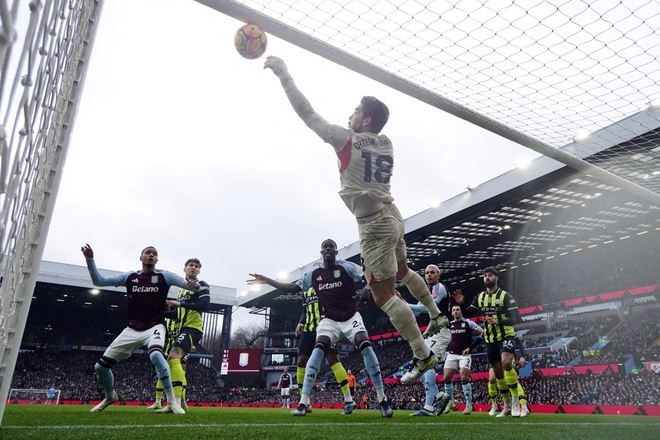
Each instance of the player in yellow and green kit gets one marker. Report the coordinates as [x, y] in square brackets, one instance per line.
[184, 329]
[492, 384]
[500, 315]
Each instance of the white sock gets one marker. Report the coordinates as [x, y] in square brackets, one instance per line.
[304, 399]
[380, 394]
[420, 290]
[170, 396]
[403, 320]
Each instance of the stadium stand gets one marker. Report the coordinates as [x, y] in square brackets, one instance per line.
[632, 337]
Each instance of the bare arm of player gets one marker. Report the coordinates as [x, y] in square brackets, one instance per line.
[330, 133]
[475, 327]
[262, 279]
[95, 275]
[301, 322]
[471, 310]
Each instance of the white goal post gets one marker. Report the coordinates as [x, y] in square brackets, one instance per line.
[43, 72]
[34, 396]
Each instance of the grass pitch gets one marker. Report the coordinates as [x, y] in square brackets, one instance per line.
[122, 422]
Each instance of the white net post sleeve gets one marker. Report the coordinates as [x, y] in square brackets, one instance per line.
[43, 71]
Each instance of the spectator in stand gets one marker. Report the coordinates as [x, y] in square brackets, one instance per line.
[351, 381]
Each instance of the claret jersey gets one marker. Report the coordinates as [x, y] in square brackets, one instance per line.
[145, 293]
[335, 288]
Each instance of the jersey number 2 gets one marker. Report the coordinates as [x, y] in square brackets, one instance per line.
[383, 170]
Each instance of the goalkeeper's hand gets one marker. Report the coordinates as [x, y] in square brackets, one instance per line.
[275, 64]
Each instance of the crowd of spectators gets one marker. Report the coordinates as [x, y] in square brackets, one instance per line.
[73, 374]
[604, 389]
[633, 337]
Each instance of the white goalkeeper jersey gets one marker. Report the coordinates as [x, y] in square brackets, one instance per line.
[365, 159]
[365, 167]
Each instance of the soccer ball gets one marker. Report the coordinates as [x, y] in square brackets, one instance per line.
[250, 41]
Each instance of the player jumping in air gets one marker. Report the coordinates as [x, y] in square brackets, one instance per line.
[146, 295]
[365, 165]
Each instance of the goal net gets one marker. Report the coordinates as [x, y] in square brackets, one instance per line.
[34, 396]
[44, 52]
[554, 76]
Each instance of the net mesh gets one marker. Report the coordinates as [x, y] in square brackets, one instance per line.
[553, 70]
[637, 159]
[43, 46]
[34, 396]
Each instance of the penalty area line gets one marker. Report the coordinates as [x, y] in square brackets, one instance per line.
[267, 425]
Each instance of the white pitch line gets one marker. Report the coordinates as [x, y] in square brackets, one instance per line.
[259, 425]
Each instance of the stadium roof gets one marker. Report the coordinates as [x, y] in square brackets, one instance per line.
[530, 215]
[70, 275]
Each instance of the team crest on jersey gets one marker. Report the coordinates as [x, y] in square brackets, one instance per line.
[154, 279]
[243, 359]
[336, 273]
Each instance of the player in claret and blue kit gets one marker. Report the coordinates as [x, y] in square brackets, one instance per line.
[146, 295]
[334, 284]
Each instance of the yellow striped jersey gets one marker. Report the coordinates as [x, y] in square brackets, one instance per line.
[187, 317]
[500, 305]
[311, 310]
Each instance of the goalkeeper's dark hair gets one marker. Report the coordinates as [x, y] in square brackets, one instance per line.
[378, 112]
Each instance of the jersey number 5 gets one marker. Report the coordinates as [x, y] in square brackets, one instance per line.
[383, 170]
